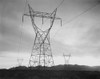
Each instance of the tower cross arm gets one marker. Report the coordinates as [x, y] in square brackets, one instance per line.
[42, 15]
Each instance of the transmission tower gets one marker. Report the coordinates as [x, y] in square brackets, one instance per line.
[19, 60]
[66, 58]
[41, 54]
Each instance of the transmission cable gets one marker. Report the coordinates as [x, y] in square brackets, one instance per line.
[21, 34]
[26, 2]
[60, 4]
[78, 16]
[81, 14]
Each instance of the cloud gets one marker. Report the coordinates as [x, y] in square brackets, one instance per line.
[91, 41]
[80, 37]
[12, 38]
[94, 33]
[12, 35]
[11, 27]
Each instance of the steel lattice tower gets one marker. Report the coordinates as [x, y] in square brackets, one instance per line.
[19, 61]
[66, 58]
[41, 54]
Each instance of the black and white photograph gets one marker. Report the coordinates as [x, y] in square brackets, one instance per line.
[49, 39]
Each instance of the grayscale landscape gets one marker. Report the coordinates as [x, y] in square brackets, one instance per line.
[49, 39]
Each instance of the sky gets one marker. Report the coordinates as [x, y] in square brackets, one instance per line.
[80, 37]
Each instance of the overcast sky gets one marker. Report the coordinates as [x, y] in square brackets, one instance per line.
[80, 37]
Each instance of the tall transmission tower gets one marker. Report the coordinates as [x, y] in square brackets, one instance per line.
[41, 54]
[66, 58]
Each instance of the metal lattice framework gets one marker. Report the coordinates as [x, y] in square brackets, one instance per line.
[19, 60]
[67, 58]
[41, 54]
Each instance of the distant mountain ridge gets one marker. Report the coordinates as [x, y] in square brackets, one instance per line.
[62, 67]
[54, 72]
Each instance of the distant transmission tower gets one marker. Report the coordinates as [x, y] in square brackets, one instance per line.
[41, 54]
[19, 61]
[66, 58]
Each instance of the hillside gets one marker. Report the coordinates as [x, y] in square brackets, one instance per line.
[56, 72]
[61, 67]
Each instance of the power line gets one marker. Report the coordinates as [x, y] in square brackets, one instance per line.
[77, 16]
[21, 34]
[26, 2]
[81, 14]
[60, 4]
[73, 17]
